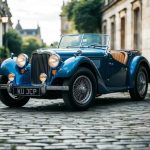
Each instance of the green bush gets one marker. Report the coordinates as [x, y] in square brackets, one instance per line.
[13, 41]
[4, 53]
[31, 44]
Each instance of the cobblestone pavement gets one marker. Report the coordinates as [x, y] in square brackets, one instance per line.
[112, 123]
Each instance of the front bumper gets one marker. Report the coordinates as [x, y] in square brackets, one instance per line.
[43, 88]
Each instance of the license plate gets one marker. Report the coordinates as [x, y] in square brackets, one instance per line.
[27, 91]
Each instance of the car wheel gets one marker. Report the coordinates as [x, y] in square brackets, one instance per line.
[82, 89]
[12, 101]
[141, 84]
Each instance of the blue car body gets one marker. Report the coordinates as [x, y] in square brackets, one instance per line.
[110, 73]
[112, 76]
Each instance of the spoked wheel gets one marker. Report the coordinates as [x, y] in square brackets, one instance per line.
[141, 84]
[82, 88]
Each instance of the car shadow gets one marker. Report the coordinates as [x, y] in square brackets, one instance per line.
[60, 106]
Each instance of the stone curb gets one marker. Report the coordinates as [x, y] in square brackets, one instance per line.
[148, 95]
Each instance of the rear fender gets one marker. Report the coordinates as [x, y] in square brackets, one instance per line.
[133, 67]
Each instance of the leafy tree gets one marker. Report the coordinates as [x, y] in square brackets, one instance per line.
[13, 41]
[4, 53]
[54, 44]
[85, 14]
[30, 44]
[69, 9]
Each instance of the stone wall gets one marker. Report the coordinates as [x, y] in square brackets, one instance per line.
[126, 9]
[146, 28]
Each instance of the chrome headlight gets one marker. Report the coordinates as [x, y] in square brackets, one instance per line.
[22, 60]
[54, 60]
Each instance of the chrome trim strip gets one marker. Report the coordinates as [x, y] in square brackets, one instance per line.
[59, 88]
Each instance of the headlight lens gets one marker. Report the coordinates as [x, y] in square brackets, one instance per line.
[11, 77]
[21, 60]
[54, 60]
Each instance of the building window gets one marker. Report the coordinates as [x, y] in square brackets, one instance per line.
[112, 35]
[123, 30]
[104, 29]
[137, 29]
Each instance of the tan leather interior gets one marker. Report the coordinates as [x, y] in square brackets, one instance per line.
[120, 56]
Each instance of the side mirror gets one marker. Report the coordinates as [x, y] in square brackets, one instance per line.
[52, 45]
[12, 55]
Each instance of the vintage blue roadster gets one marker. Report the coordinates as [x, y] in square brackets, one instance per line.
[81, 68]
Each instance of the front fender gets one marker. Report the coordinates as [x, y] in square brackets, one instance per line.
[133, 67]
[9, 66]
[70, 66]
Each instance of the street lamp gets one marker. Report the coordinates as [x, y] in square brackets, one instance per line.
[4, 21]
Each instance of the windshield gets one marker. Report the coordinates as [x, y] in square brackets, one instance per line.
[84, 40]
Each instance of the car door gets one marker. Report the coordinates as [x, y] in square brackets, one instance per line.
[116, 73]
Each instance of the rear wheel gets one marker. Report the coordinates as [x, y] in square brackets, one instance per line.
[141, 84]
[82, 89]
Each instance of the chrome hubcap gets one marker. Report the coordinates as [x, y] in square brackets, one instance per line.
[141, 83]
[15, 97]
[82, 89]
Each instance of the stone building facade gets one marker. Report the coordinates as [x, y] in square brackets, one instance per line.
[128, 23]
[67, 27]
[4, 12]
[28, 32]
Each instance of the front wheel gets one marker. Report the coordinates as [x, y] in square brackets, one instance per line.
[12, 101]
[140, 84]
[82, 89]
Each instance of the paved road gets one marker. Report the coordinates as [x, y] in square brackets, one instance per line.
[112, 123]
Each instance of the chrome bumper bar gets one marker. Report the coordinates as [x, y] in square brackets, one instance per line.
[3, 86]
[43, 87]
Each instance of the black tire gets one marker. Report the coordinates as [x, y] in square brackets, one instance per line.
[140, 89]
[12, 102]
[83, 83]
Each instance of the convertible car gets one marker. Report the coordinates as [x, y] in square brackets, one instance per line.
[80, 69]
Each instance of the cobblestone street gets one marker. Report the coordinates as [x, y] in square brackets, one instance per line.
[112, 123]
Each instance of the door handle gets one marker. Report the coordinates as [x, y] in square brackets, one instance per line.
[111, 64]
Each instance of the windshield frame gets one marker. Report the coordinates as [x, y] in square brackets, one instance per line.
[82, 37]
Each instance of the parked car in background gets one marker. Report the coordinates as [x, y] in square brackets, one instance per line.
[80, 69]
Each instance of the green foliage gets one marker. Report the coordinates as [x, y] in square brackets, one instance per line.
[30, 44]
[85, 14]
[13, 41]
[54, 45]
[4, 53]
[69, 9]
